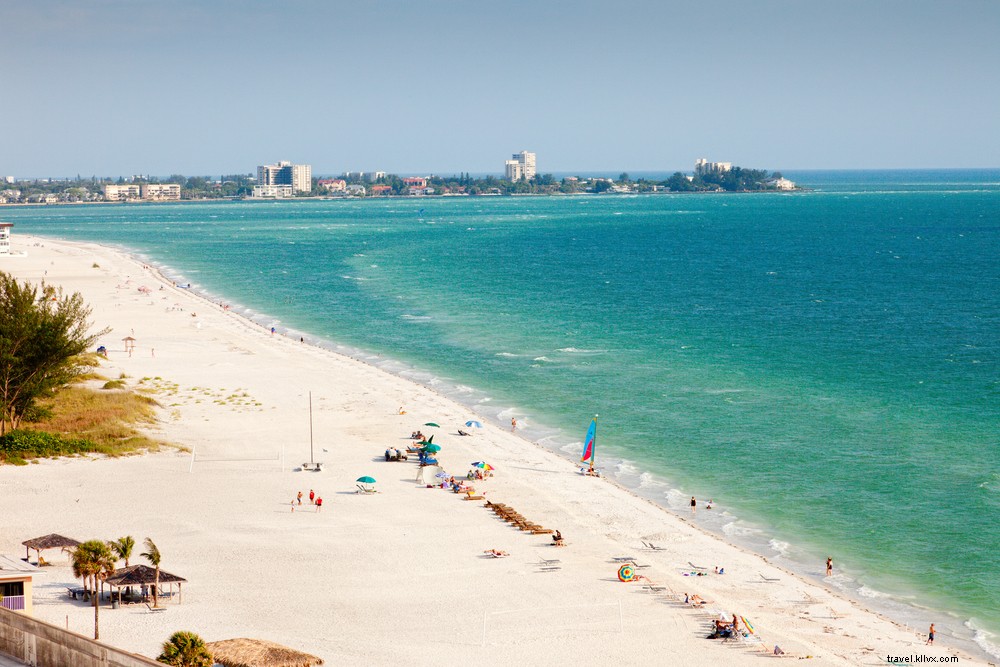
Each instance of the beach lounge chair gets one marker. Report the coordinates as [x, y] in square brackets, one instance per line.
[697, 567]
[769, 580]
[623, 559]
[365, 490]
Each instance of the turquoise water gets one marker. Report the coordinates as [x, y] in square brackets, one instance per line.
[823, 364]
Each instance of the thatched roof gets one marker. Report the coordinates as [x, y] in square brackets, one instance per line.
[137, 575]
[52, 541]
[258, 653]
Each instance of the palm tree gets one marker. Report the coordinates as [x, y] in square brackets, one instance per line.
[152, 554]
[93, 559]
[185, 649]
[123, 549]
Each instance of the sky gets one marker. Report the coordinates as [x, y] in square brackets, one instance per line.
[211, 87]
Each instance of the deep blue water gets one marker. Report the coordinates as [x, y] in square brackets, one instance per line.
[823, 364]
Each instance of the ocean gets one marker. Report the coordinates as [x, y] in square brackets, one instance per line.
[822, 364]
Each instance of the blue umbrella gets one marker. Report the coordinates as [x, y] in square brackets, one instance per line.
[474, 423]
[366, 480]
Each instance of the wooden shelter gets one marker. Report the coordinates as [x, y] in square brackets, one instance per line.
[52, 541]
[142, 575]
[258, 653]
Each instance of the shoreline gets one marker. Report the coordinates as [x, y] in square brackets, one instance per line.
[618, 500]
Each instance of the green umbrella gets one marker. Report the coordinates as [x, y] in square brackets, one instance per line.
[366, 480]
[433, 449]
[432, 424]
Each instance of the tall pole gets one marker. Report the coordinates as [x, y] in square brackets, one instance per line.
[311, 459]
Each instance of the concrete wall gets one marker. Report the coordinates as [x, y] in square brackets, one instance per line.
[41, 644]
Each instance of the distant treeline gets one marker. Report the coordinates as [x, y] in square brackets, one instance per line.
[226, 186]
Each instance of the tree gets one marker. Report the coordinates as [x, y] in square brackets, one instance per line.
[93, 559]
[123, 547]
[43, 334]
[185, 649]
[152, 554]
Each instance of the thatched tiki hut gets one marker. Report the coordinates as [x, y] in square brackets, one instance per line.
[52, 541]
[258, 653]
[143, 575]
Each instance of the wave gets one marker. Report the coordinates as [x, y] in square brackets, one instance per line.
[576, 350]
[415, 318]
[983, 639]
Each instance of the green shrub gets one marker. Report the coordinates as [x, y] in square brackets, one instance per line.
[21, 444]
[114, 384]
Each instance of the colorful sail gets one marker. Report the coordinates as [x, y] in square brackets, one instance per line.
[589, 442]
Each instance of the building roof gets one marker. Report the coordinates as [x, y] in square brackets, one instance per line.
[258, 653]
[51, 541]
[137, 575]
[10, 566]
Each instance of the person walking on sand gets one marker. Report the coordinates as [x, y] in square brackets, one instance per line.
[829, 567]
[312, 496]
[930, 635]
[694, 505]
[319, 504]
[299, 497]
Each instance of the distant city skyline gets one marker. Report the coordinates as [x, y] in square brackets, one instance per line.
[121, 88]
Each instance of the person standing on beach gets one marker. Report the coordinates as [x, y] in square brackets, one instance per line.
[694, 505]
[312, 496]
[829, 567]
[319, 504]
[299, 497]
[930, 635]
[513, 424]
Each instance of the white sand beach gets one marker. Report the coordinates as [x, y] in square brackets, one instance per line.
[396, 577]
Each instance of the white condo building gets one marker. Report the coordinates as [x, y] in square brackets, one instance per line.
[121, 192]
[703, 166]
[521, 165]
[298, 176]
[5, 237]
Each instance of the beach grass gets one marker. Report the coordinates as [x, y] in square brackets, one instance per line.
[80, 419]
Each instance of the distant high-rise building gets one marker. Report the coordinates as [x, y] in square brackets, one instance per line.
[521, 165]
[703, 166]
[299, 176]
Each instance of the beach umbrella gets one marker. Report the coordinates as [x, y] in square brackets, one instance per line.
[482, 464]
[473, 423]
[432, 449]
[626, 572]
[432, 424]
[366, 480]
[442, 475]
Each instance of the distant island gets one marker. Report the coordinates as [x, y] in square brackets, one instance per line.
[707, 177]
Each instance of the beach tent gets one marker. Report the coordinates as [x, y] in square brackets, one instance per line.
[143, 575]
[51, 541]
[258, 653]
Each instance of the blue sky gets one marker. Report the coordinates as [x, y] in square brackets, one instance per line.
[113, 87]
